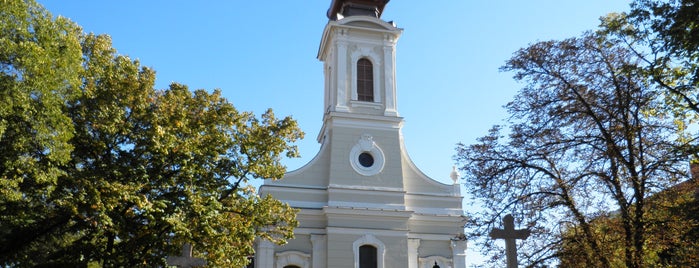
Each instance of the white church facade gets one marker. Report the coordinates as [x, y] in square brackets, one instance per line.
[362, 202]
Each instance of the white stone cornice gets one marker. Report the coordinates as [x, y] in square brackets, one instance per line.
[306, 204]
[375, 214]
[453, 220]
[364, 231]
[364, 104]
[431, 237]
[331, 27]
[458, 212]
[394, 122]
[387, 26]
[309, 231]
[366, 205]
[282, 187]
[433, 196]
[364, 188]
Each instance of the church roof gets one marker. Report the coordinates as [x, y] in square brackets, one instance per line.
[356, 7]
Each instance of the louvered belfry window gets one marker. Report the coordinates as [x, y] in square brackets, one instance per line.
[365, 80]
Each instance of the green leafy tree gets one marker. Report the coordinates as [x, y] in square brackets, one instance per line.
[589, 134]
[126, 174]
[40, 62]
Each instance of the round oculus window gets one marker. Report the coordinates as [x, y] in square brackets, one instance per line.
[366, 160]
[365, 157]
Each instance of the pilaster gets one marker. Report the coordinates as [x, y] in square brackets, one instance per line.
[320, 248]
[264, 255]
[389, 54]
[458, 248]
[413, 254]
[342, 79]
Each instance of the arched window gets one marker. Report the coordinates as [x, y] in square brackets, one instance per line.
[292, 259]
[365, 80]
[369, 252]
[367, 257]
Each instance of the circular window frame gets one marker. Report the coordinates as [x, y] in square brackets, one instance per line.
[366, 145]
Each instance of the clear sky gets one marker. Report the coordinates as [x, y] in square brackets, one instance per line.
[262, 54]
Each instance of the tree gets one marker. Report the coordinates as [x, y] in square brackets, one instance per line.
[39, 67]
[141, 171]
[673, 23]
[589, 137]
[665, 36]
[672, 231]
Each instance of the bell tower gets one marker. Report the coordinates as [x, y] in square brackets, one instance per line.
[360, 119]
[361, 199]
[358, 50]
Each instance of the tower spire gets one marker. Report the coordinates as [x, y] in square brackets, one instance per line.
[345, 8]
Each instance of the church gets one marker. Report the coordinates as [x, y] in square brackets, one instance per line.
[362, 202]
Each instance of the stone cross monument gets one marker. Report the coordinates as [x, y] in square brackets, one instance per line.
[510, 235]
[186, 260]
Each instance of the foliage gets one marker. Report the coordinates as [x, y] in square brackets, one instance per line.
[39, 62]
[665, 36]
[588, 134]
[39, 67]
[100, 168]
[673, 23]
[672, 231]
[598, 171]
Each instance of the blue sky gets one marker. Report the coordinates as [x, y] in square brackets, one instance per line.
[262, 54]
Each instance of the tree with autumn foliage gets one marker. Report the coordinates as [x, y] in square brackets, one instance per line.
[664, 36]
[590, 136]
[672, 232]
[99, 168]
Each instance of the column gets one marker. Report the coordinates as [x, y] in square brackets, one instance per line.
[413, 255]
[264, 255]
[458, 248]
[320, 249]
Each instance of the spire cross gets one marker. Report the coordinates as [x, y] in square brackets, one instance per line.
[510, 235]
[186, 260]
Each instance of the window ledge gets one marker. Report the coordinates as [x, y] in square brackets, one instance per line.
[366, 104]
